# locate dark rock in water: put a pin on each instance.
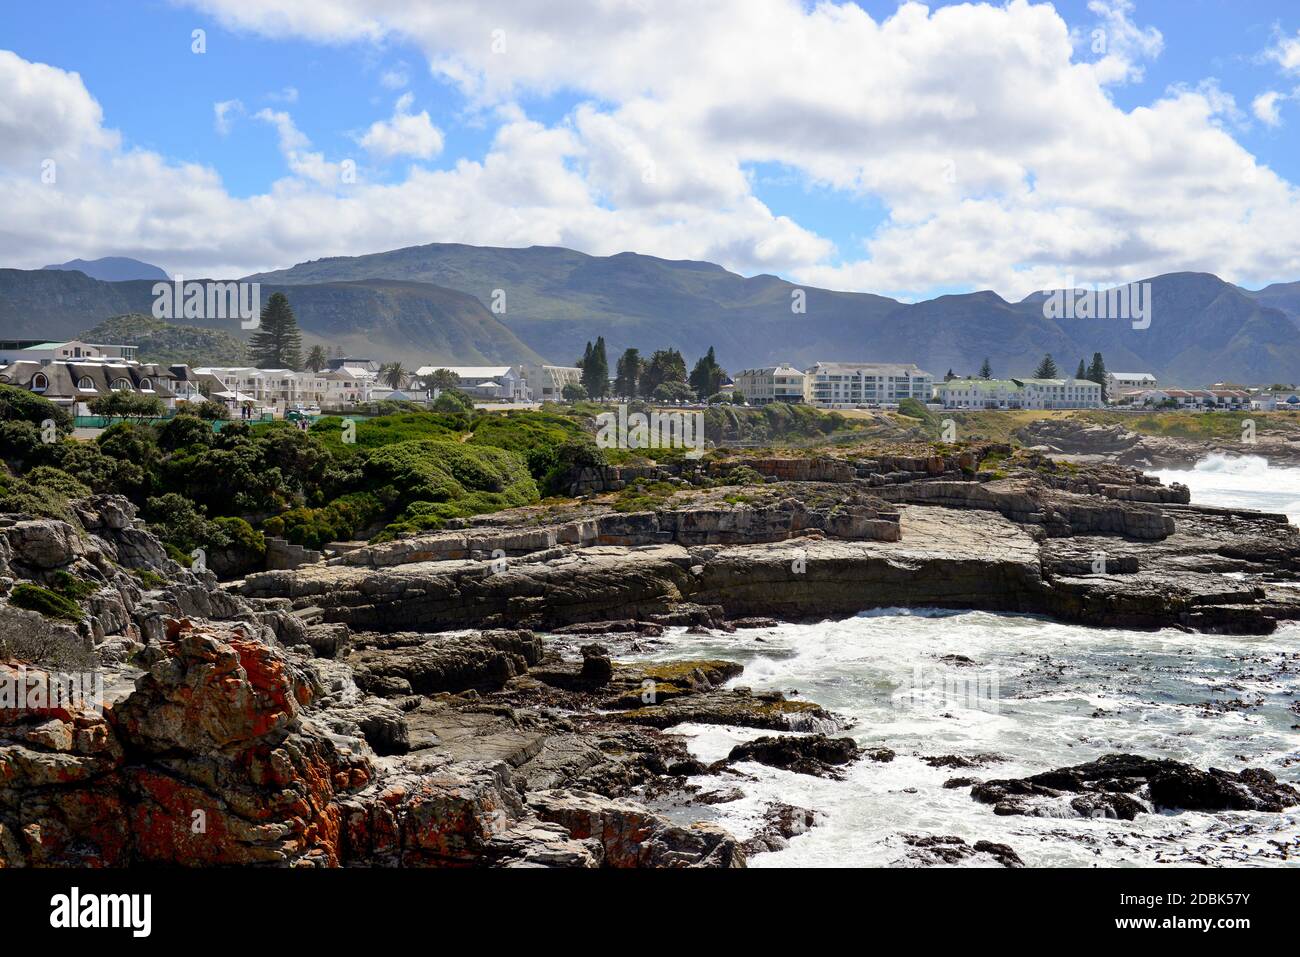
(754, 621)
(780, 823)
(950, 849)
(814, 754)
(1125, 785)
(882, 755)
(596, 664)
(957, 761)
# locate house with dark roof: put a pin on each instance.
(74, 384)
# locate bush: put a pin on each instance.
(180, 523)
(432, 480)
(536, 436)
(46, 500)
(340, 520)
(19, 405)
(183, 431)
(674, 392)
(453, 400)
(48, 603)
(573, 392)
(572, 455)
(127, 405)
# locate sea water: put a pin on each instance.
(1028, 695)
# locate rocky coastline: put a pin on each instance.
(457, 698)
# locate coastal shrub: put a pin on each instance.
(57, 481)
(340, 520)
(49, 603)
(570, 456)
(431, 480)
(178, 522)
(71, 587)
(453, 400)
(20, 405)
(46, 500)
(535, 436)
(183, 431)
(388, 429)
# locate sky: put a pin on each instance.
(904, 149)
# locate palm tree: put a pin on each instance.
(393, 374)
(316, 359)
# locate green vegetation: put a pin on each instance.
(127, 405)
(49, 603)
(277, 344)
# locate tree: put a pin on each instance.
(595, 369)
(442, 380)
(986, 370)
(1082, 373)
(1047, 369)
(706, 378)
(1097, 373)
(124, 404)
(673, 392)
(666, 365)
(393, 374)
(316, 359)
(573, 392)
(453, 400)
(277, 344)
(950, 376)
(627, 376)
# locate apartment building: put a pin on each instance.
(1020, 394)
(847, 385)
(1118, 383)
(283, 389)
(1232, 399)
(783, 383)
(546, 383)
(38, 350)
(499, 383)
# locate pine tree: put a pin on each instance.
(706, 377)
(1047, 369)
(1082, 373)
(595, 369)
(1097, 373)
(628, 374)
(950, 376)
(277, 344)
(986, 370)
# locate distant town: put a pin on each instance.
(84, 377)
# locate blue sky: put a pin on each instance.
(135, 60)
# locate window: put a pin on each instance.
(121, 385)
(39, 382)
(86, 384)
(146, 385)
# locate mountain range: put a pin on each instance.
(460, 304)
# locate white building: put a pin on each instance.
(283, 389)
(846, 385)
(36, 350)
(783, 383)
(1020, 394)
(1120, 382)
(501, 383)
(546, 383)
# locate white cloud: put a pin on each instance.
(1265, 108)
(224, 113)
(1286, 53)
(987, 133)
(404, 134)
(395, 79)
(288, 94)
